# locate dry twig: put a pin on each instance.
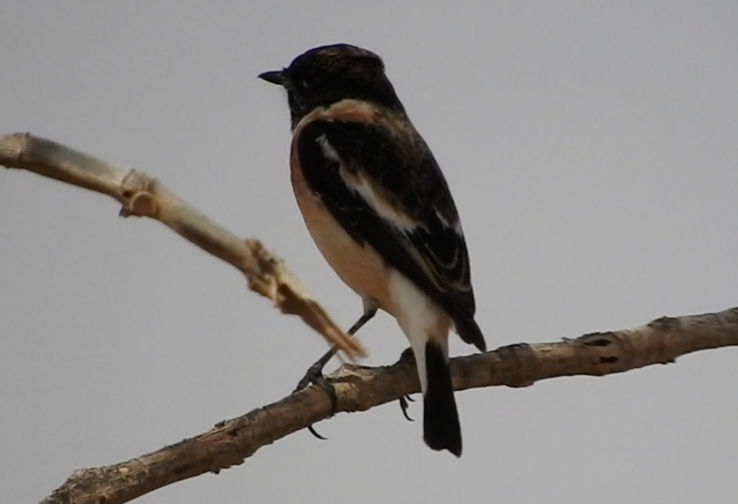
(143, 196)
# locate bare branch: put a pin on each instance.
(359, 388)
(143, 196)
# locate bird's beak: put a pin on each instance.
(275, 77)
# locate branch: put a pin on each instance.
(359, 388)
(143, 196)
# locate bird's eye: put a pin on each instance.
(308, 80)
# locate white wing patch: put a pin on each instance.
(328, 151)
(362, 187)
(457, 227)
(381, 206)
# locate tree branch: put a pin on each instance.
(360, 388)
(143, 196)
(357, 388)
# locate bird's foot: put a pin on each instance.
(406, 357)
(314, 373)
(315, 376)
(404, 405)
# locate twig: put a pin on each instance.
(143, 196)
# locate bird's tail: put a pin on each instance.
(441, 429)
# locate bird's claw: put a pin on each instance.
(406, 357)
(404, 406)
(314, 376)
(315, 433)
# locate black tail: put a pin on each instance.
(470, 333)
(441, 429)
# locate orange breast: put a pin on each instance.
(360, 267)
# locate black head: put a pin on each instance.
(326, 75)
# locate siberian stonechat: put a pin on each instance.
(380, 211)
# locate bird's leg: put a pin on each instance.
(314, 373)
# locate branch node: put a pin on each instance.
(663, 323)
(138, 195)
(597, 339)
(513, 372)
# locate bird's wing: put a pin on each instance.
(389, 192)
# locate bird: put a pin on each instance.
(379, 209)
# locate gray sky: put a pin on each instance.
(591, 148)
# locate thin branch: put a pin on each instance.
(143, 196)
(359, 388)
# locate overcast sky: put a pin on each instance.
(592, 149)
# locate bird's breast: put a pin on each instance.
(359, 266)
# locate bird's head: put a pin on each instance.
(326, 75)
